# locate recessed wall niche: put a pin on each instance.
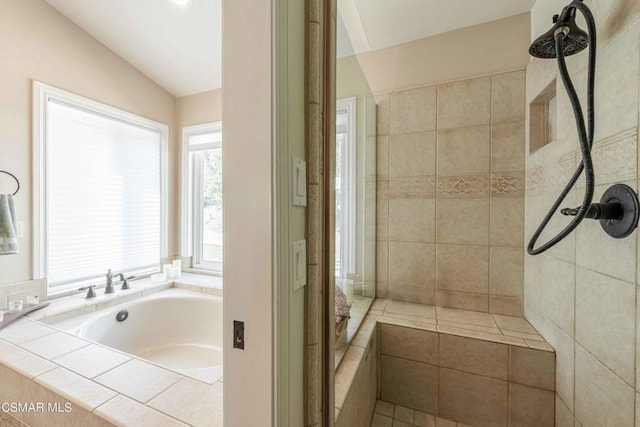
(543, 122)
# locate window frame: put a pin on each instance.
(191, 231)
(41, 94)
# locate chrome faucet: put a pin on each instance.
(108, 289)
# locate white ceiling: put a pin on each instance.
(377, 24)
(178, 48)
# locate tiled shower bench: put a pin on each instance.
(473, 368)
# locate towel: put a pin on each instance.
(8, 226)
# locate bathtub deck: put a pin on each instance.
(472, 324)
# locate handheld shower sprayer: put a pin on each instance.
(618, 210)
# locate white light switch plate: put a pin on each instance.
(299, 182)
(299, 264)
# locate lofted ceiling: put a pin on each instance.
(377, 24)
(180, 47)
(177, 47)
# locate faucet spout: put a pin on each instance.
(108, 289)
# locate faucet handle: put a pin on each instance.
(90, 292)
(125, 283)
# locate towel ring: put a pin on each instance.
(14, 177)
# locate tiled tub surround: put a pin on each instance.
(582, 295)
(469, 367)
(450, 194)
(40, 363)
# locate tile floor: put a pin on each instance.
(389, 415)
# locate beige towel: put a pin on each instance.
(8, 226)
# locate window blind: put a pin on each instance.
(103, 195)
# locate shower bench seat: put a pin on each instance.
(474, 368)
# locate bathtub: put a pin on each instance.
(175, 328)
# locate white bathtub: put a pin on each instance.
(176, 328)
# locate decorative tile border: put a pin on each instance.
(614, 158)
(463, 186)
(410, 187)
(507, 185)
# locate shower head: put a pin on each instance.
(575, 39)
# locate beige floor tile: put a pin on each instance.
(123, 411)
(138, 380)
(474, 356)
(404, 414)
(441, 422)
(192, 401)
(92, 360)
(384, 408)
(76, 388)
(381, 421)
(472, 399)
(54, 345)
(424, 420)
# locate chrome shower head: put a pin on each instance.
(575, 39)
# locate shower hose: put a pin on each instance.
(585, 137)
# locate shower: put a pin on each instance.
(618, 210)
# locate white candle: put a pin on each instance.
(177, 269)
(167, 270)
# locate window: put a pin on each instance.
(202, 195)
(345, 239)
(100, 190)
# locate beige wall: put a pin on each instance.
(450, 194)
(199, 108)
(41, 44)
(473, 51)
(248, 203)
(581, 294)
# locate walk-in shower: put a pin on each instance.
(618, 210)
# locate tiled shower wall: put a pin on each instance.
(450, 194)
(581, 294)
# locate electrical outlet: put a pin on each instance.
(238, 334)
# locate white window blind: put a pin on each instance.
(103, 195)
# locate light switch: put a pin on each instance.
(299, 182)
(299, 264)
